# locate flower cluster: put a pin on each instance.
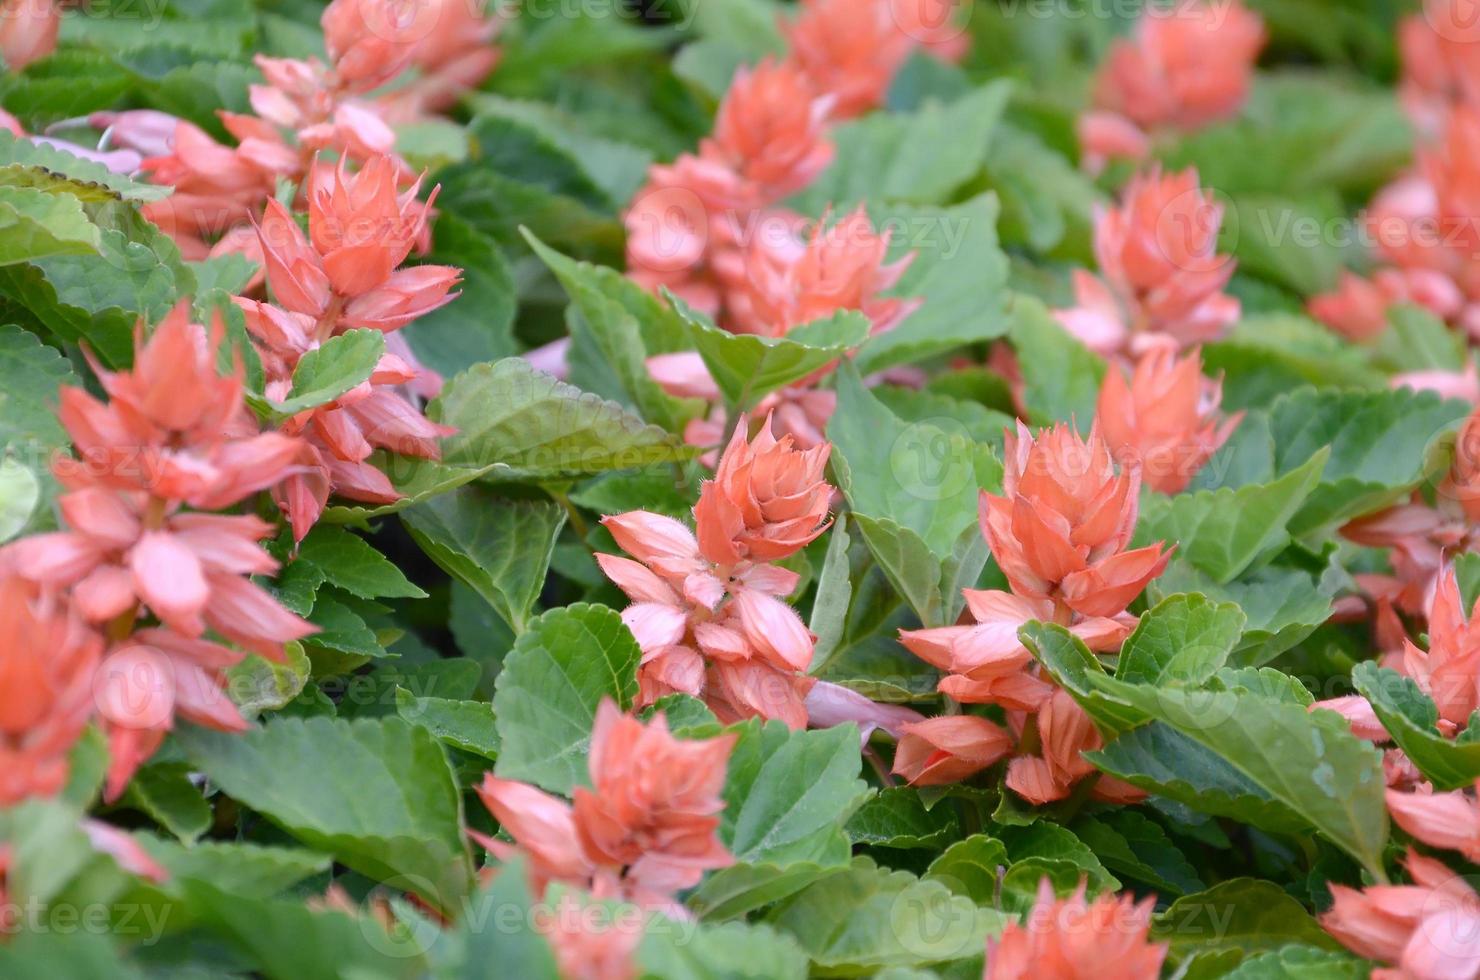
(173, 442)
(1075, 939)
(1161, 276)
(1187, 64)
(706, 606)
(345, 274)
(1059, 533)
(644, 830)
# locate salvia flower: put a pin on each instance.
(770, 129)
(706, 608)
(1447, 820)
(1441, 68)
(47, 658)
(1165, 418)
(369, 42)
(1427, 930)
(1449, 671)
(1075, 939)
(948, 748)
(1186, 65)
(644, 831)
(851, 49)
(1064, 732)
(588, 943)
(1163, 278)
(1358, 308)
(28, 31)
(1059, 529)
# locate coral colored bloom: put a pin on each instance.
(1185, 66)
(372, 41)
(589, 945)
(770, 129)
(851, 49)
(1429, 930)
(28, 31)
(1065, 732)
(1441, 68)
(767, 500)
(1060, 527)
(1447, 820)
(841, 268)
(1163, 276)
(1073, 939)
(47, 657)
(1357, 309)
(1106, 136)
(1165, 418)
(948, 749)
(1449, 671)
(646, 828)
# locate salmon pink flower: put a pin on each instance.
(28, 31)
(1449, 671)
(372, 41)
(770, 129)
(1357, 309)
(767, 500)
(1440, 66)
(454, 56)
(934, 25)
(1065, 732)
(1165, 418)
(948, 749)
(1061, 525)
(851, 50)
(841, 268)
(1427, 930)
(47, 658)
(1163, 277)
(1447, 820)
(646, 828)
(589, 945)
(1186, 65)
(1106, 136)
(1073, 939)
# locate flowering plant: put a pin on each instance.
(739, 488)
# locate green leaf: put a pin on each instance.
(24, 163)
(1244, 914)
(787, 798)
(971, 868)
(1224, 531)
(1184, 639)
(1061, 377)
(1311, 762)
(284, 938)
(1411, 718)
(257, 684)
(479, 324)
(35, 224)
(919, 157)
(1161, 760)
(869, 918)
(1071, 664)
(31, 373)
(897, 818)
(958, 273)
(498, 927)
(350, 562)
(628, 324)
(1283, 605)
(497, 546)
(164, 791)
(465, 725)
(20, 491)
(732, 951)
(1416, 340)
(747, 367)
(50, 954)
(417, 480)
(537, 428)
(1300, 963)
(377, 794)
(829, 616)
(249, 870)
(1269, 354)
(1381, 443)
(331, 369)
(1134, 847)
(560, 669)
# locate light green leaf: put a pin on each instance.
(971, 867)
(1222, 532)
(1184, 639)
(249, 870)
(24, 163)
(350, 562)
(498, 927)
(1243, 914)
(1382, 444)
(465, 725)
(747, 367)
(895, 817)
(20, 491)
(507, 413)
(731, 951)
(1411, 718)
(834, 592)
(1061, 377)
(35, 224)
(163, 790)
(919, 157)
(377, 794)
(958, 273)
(497, 546)
(1071, 664)
(1310, 762)
(869, 918)
(1283, 605)
(560, 669)
(1300, 963)
(331, 369)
